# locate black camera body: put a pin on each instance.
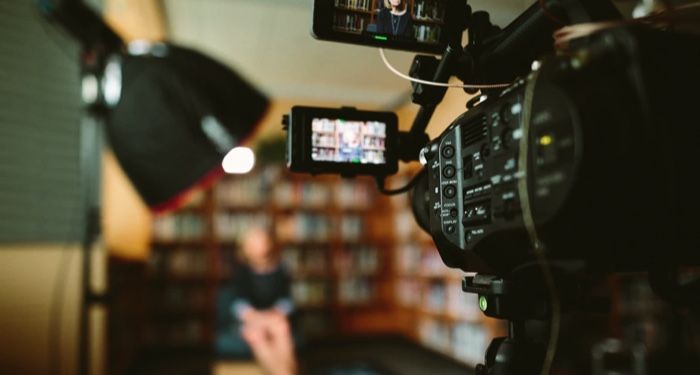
(584, 166)
(343, 141)
(598, 144)
(610, 146)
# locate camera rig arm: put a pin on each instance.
(492, 54)
(501, 55)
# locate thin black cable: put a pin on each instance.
(56, 308)
(529, 221)
(401, 190)
(59, 286)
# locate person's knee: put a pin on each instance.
(232, 345)
(280, 319)
(281, 326)
(252, 335)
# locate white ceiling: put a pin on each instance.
(269, 42)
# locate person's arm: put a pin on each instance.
(285, 306)
(241, 308)
(284, 303)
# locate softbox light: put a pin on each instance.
(178, 114)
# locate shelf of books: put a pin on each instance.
(443, 317)
(180, 282)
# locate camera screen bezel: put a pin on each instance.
(301, 142)
(322, 29)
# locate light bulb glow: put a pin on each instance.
(112, 81)
(239, 160)
(90, 89)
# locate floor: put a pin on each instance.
(386, 355)
(378, 355)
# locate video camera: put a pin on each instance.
(599, 149)
(585, 158)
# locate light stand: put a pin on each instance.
(171, 115)
(91, 141)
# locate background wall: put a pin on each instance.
(41, 220)
(39, 132)
(39, 333)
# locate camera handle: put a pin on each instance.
(456, 61)
(492, 54)
(429, 68)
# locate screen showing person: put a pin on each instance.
(419, 20)
(344, 141)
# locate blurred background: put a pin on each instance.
(368, 285)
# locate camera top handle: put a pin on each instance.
(491, 55)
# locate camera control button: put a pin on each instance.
(450, 228)
(506, 137)
(448, 152)
(485, 151)
(449, 191)
(506, 114)
(449, 171)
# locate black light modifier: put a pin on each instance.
(179, 114)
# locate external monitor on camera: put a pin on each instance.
(419, 26)
(345, 141)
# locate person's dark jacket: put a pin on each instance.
(247, 288)
(403, 26)
(262, 291)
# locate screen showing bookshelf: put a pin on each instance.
(419, 20)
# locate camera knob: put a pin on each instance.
(427, 153)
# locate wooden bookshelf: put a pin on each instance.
(181, 279)
(354, 10)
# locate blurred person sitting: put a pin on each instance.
(255, 309)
